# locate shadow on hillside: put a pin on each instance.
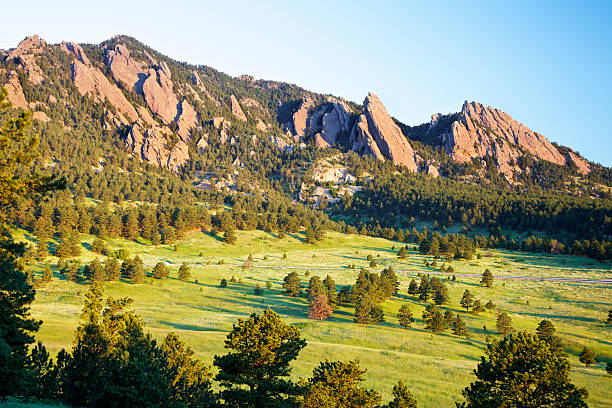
(192, 327)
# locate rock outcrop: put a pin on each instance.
(324, 122)
(124, 68)
(89, 80)
(25, 53)
(159, 95)
(76, 50)
(376, 134)
(485, 131)
(236, 109)
(15, 91)
(154, 145)
(187, 120)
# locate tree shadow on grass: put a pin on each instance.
(191, 327)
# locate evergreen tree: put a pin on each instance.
(184, 273)
(223, 283)
(258, 291)
(413, 288)
(310, 235)
(477, 307)
(363, 309)
(160, 270)
(94, 271)
(546, 332)
(330, 291)
(229, 236)
(404, 316)
(336, 385)
(487, 279)
(315, 288)
(320, 308)
(252, 374)
(292, 285)
(459, 328)
(112, 269)
(377, 315)
(587, 356)
(402, 253)
(490, 305)
(98, 246)
(609, 320)
(47, 274)
(504, 323)
(402, 398)
(434, 319)
(449, 318)
(467, 300)
(522, 371)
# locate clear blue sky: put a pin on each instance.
(546, 63)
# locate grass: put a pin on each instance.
(436, 367)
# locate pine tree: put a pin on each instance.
(292, 285)
(98, 246)
(310, 235)
(433, 319)
(94, 271)
(402, 398)
(449, 318)
(459, 328)
(467, 300)
(587, 356)
(229, 236)
(377, 315)
(609, 321)
(402, 253)
(363, 309)
(315, 288)
(504, 323)
(490, 305)
(330, 291)
(336, 385)
(413, 288)
(253, 373)
(521, 370)
(546, 331)
(47, 274)
(404, 316)
(112, 269)
(487, 279)
(258, 291)
(223, 283)
(160, 270)
(477, 307)
(320, 308)
(184, 273)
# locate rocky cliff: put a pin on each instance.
(376, 134)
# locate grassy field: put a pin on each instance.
(436, 367)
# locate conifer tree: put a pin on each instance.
(160, 270)
(363, 309)
(112, 269)
(477, 307)
(253, 373)
(320, 308)
(404, 316)
(413, 288)
(292, 285)
(330, 291)
(459, 328)
(467, 300)
(402, 398)
(487, 279)
(522, 371)
(587, 356)
(184, 273)
(47, 274)
(504, 323)
(336, 385)
(402, 253)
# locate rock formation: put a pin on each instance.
(154, 145)
(24, 54)
(323, 122)
(485, 131)
(158, 93)
(376, 134)
(124, 68)
(236, 109)
(15, 91)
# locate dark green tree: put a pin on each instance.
(546, 331)
(413, 288)
(587, 356)
(522, 371)
(458, 326)
(487, 279)
(402, 397)
(47, 274)
(504, 323)
(467, 300)
(404, 316)
(184, 272)
(292, 285)
(336, 385)
(160, 270)
(253, 373)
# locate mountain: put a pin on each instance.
(163, 112)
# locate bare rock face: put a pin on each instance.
(41, 116)
(159, 95)
(236, 109)
(187, 120)
(89, 80)
(124, 68)
(76, 50)
(15, 91)
(301, 117)
(376, 134)
(324, 122)
(146, 116)
(485, 131)
(25, 56)
(332, 123)
(581, 164)
(153, 145)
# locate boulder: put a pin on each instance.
(377, 135)
(40, 116)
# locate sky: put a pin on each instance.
(546, 63)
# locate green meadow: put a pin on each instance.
(436, 367)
